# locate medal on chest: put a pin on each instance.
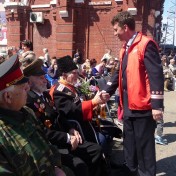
(76, 99)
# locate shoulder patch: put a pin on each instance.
(60, 87)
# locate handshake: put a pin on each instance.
(100, 98)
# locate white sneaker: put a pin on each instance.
(160, 140)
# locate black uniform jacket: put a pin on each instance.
(55, 126)
(68, 104)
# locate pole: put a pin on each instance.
(165, 37)
(174, 33)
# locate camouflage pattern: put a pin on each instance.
(23, 148)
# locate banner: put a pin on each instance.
(3, 29)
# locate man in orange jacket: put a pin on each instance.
(141, 83)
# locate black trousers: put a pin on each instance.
(139, 145)
(91, 154)
(76, 164)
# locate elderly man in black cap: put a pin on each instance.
(69, 105)
(23, 149)
(82, 155)
(65, 95)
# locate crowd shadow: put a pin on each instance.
(167, 166)
(170, 124)
(170, 138)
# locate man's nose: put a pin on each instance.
(44, 80)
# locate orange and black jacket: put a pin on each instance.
(68, 103)
(145, 82)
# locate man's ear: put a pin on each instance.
(125, 27)
(29, 82)
(7, 97)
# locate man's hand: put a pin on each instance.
(55, 67)
(105, 96)
(74, 142)
(75, 133)
(100, 98)
(59, 172)
(157, 114)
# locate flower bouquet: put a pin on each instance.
(87, 90)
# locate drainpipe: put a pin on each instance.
(88, 33)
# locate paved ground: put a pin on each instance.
(165, 155)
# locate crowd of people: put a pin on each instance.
(41, 96)
(52, 105)
(169, 71)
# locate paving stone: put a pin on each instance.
(165, 154)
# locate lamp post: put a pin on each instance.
(165, 29)
(174, 33)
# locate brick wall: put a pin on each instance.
(88, 27)
(94, 31)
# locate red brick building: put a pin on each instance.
(71, 24)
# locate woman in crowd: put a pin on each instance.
(28, 53)
(98, 70)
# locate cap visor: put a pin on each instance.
(38, 73)
(22, 81)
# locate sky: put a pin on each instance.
(168, 5)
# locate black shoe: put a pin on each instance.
(128, 172)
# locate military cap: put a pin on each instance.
(11, 73)
(34, 68)
(65, 65)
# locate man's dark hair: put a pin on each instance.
(28, 44)
(93, 61)
(124, 18)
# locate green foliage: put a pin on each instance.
(84, 88)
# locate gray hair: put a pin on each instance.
(45, 50)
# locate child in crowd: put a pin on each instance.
(159, 133)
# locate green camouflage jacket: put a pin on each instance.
(23, 148)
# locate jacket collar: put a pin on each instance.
(13, 117)
(136, 40)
